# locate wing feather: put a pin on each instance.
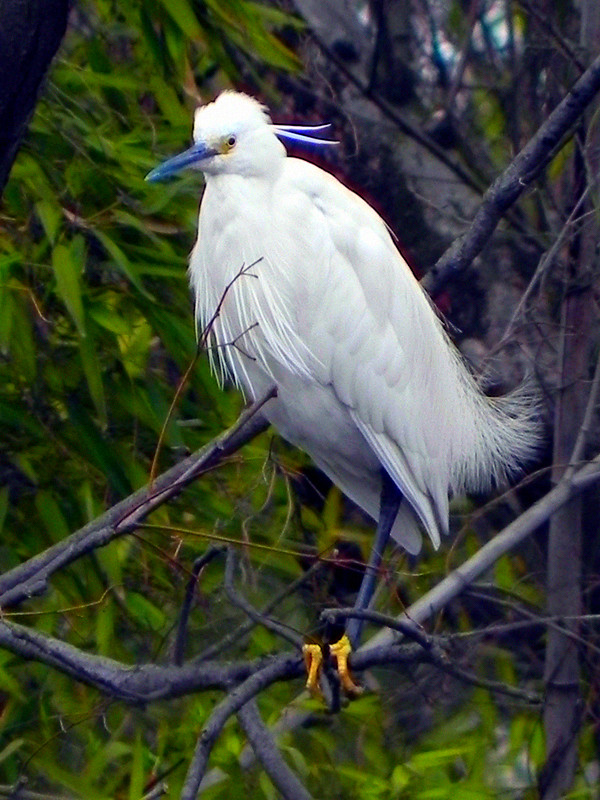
(375, 343)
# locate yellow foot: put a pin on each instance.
(340, 650)
(313, 658)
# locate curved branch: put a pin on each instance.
(31, 578)
(256, 616)
(434, 647)
(199, 564)
(144, 683)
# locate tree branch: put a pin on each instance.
(31, 577)
(236, 634)
(265, 749)
(510, 537)
(231, 704)
(259, 619)
(509, 186)
(199, 564)
(435, 647)
(138, 683)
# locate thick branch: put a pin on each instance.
(454, 583)
(139, 683)
(31, 577)
(265, 749)
(508, 187)
(144, 683)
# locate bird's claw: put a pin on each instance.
(313, 658)
(340, 650)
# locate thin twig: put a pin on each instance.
(402, 124)
(236, 634)
(18, 792)
(436, 653)
(586, 424)
(465, 50)
(31, 578)
(199, 564)
(544, 20)
(259, 619)
(454, 583)
(544, 264)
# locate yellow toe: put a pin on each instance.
(313, 658)
(340, 650)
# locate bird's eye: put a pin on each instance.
(230, 142)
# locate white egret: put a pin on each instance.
(321, 304)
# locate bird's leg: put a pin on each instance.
(390, 500)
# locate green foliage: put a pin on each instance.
(96, 330)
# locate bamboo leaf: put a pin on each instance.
(68, 282)
(93, 373)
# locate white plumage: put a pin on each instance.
(331, 313)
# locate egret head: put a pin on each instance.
(231, 135)
(234, 135)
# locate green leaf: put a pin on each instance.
(22, 347)
(121, 260)
(68, 281)
(51, 515)
(10, 749)
(6, 317)
(145, 612)
(182, 14)
(51, 217)
(93, 373)
(97, 449)
(135, 348)
(105, 628)
(108, 317)
(136, 783)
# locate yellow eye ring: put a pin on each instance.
(228, 144)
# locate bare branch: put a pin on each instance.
(230, 705)
(259, 619)
(199, 564)
(265, 749)
(436, 652)
(510, 537)
(141, 683)
(509, 186)
(236, 634)
(18, 792)
(31, 577)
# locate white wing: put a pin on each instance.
(377, 343)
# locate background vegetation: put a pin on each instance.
(431, 102)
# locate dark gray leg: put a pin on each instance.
(391, 497)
